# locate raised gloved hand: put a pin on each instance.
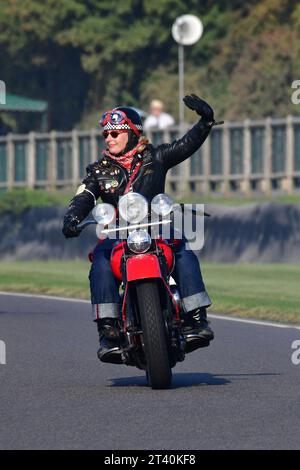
(200, 106)
(70, 229)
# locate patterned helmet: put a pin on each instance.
(122, 118)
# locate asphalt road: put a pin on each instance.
(243, 392)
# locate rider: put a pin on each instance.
(135, 165)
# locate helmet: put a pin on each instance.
(122, 117)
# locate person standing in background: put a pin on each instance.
(157, 117)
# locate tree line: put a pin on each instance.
(83, 56)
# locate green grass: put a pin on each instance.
(265, 291)
(261, 291)
(62, 278)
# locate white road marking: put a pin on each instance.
(212, 315)
(254, 322)
(47, 297)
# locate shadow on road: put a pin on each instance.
(246, 376)
(185, 379)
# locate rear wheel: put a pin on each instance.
(154, 335)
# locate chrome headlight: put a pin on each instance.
(133, 207)
(104, 213)
(139, 241)
(162, 204)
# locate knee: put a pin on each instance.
(100, 267)
(187, 256)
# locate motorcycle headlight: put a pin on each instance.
(104, 213)
(162, 204)
(139, 241)
(133, 207)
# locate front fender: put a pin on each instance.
(143, 267)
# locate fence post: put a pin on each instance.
(10, 161)
(94, 146)
(266, 182)
(53, 160)
(31, 160)
(288, 182)
(226, 167)
(247, 158)
(206, 166)
(75, 157)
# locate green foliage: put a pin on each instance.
(259, 59)
(84, 56)
(19, 200)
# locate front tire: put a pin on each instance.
(154, 335)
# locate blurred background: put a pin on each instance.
(64, 62)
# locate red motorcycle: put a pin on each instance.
(151, 317)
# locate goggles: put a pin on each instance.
(117, 120)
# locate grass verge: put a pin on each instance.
(266, 291)
(18, 200)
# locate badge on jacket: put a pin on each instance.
(80, 189)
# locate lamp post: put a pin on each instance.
(186, 30)
(181, 84)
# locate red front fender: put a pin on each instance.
(143, 267)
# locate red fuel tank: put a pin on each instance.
(118, 251)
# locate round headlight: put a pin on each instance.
(104, 213)
(139, 241)
(162, 204)
(133, 207)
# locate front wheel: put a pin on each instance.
(154, 335)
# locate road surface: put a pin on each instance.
(243, 392)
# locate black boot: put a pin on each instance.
(201, 325)
(196, 330)
(109, 337)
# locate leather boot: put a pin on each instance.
(196, 330)
(201, 325)
(109, 337)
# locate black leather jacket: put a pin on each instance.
(107, 179)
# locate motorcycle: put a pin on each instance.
(151, 317)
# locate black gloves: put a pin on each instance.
(200, 106)
(70, 229)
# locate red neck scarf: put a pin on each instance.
(124, 160)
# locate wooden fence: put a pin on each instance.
(239, 157)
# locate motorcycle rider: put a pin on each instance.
(132, 164)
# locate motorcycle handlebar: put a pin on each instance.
(195, 211)
(86, 223)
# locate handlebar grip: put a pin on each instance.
(205, 214)
(85, 223)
